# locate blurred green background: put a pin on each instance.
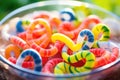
(7, 6)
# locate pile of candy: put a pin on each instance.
(61, 44)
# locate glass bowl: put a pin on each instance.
(100, 73)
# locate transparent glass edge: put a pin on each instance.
(47, 3)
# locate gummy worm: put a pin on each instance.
(55, 22)
(74, 57)
(67, 14)
(104, 56)
(45, 52)
(90, 39)
(112, 53)
(19, 42)
(19, 27)
(63, 67)
(36, 57)
(84, 25)
(101, 29)
(36, 34)
(25, 64)
(68, 42)
(49, 66)
(45, 24)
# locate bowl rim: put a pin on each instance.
(35, 73)
(45, 3)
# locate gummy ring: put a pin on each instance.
(12, 51)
